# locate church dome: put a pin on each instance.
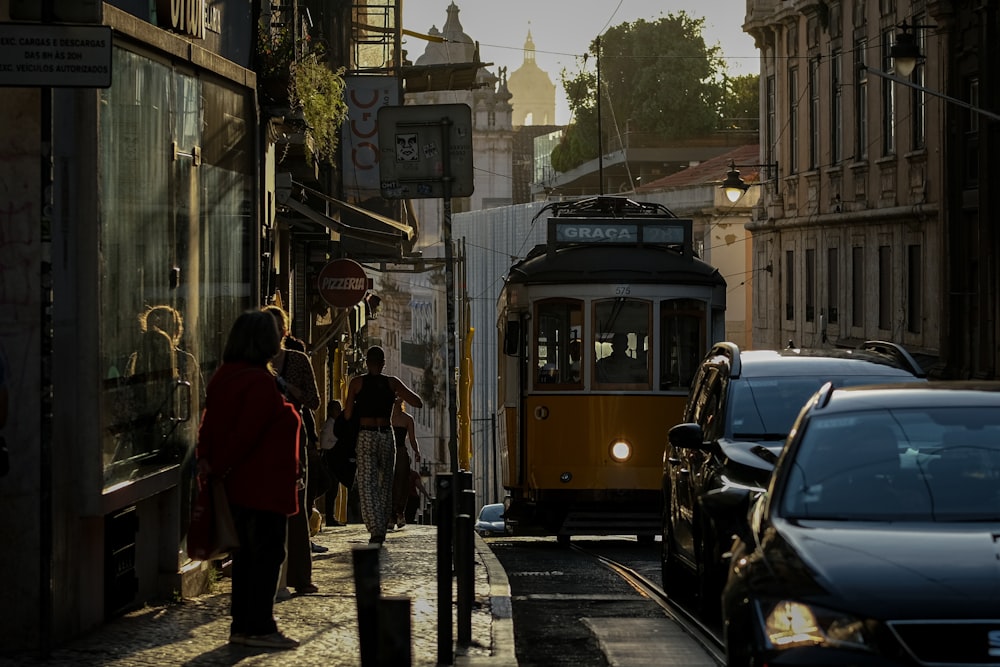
(458, 47)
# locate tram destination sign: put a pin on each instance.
(34, 55)
(661, 231)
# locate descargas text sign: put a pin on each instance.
(34, 55)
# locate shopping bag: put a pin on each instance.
(212, 531)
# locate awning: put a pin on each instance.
(393, 233)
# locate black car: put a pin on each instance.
(740, 409)
(878, 539)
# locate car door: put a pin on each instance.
(687, 464)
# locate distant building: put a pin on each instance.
(534, 93)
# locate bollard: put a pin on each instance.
(367, 589)
(443, 514)
(465, 564)
(394, 632)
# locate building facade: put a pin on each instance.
(123, 264)
(872, 222)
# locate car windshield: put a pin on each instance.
(766, 408)
(913, 464)
(491, 513)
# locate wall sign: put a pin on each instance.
(342, 283)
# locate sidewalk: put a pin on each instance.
(195, 632)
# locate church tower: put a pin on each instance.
(534, 93)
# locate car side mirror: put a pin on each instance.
(687, 436)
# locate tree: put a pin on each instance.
(658, 76)
(742, 104)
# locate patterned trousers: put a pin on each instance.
(376, 460)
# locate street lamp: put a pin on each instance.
(734, 186)
(904, 53)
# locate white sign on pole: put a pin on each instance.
(36, 55)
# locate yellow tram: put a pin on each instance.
(601, 330)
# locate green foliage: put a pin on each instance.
(741, 108)
(658, 76)
(319, 92)
(275, 51)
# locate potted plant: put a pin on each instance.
(318, 92)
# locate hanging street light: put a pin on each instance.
(735, 187)
(905, 53)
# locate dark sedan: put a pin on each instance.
(740, 409)
(878, 539)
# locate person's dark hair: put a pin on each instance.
(254, 338)
(375, 353)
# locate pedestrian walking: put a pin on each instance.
(249, 436)
(403, 430)
(295, 378)
(415, 488)
(370, 397)
(327, 440)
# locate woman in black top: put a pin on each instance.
(370, 398)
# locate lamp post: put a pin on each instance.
(735, 187)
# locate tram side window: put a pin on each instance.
(682, 326)
(621, 342)
(559, 325)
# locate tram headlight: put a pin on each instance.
(621, 451)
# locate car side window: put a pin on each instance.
(706, 399)
(711, 415)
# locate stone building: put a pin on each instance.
(850, 235)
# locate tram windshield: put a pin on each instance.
(621, 342)
(557, 342)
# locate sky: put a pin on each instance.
(563, 29)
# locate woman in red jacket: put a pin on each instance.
(249, 436)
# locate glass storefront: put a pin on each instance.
(177, 185)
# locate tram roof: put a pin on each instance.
(608, 238)
(614, 263)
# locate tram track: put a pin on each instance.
(701, 633)
(596, 602)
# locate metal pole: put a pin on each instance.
(465, 556)
(600, 139)
(367, 589)
(924, 89)
(449, 281)
(445, 517)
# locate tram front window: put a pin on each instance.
(682, 326)
(621, 342)
(559, 323)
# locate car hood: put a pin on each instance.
(887, 570)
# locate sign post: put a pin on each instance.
(426, 152)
